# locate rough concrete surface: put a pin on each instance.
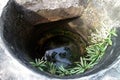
(11, 69)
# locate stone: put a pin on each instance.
(53, 10)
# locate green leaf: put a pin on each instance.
(81, 60)
(113, 32)
(40, 68)
(110, 42)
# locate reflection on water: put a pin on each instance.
(59, 56)
(59, 45)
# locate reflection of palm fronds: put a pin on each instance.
(94, 54)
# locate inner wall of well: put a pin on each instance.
(54, 35)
